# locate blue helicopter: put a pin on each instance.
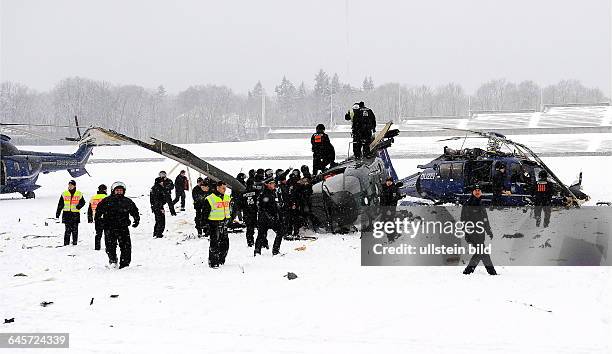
(19, 169)
(448, 178)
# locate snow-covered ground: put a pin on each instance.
(170, 301)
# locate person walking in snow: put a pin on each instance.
(114, 212)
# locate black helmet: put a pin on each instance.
(361, 104)
(269, 172)
(102, 188)
(320, 128)
(260, 171)
(241, 176)
(279, 171)
(251, 173)
(295, 173)
(158, 180)
(543, 174)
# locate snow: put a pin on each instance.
(170, 301)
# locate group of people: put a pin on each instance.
(111, 214)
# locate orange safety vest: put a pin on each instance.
(95, 200)
(71, 201)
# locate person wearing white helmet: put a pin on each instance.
(114, 212)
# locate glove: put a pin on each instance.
(135, 224)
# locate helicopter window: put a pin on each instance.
(445, 170)
(457, 170)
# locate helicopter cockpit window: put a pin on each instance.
(457, 172)
(445, 170)
(340, 183)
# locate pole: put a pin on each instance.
(331, 105)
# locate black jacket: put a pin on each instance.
(498, 182)
(390, 195)
(158, 197)
(168, 185)
(268, 208)
(321, 145)
(543, 193)
(475, 212)
(363, 122)
(199, 197)
(114, 212)
(181, 183)
(248, 201)
(69, 217)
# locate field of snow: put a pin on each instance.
(170, 301)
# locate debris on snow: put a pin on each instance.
(291, 275)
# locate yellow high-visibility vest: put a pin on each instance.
(71, 201)
(95, 200)
(219, 208)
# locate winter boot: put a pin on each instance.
(468, 270)
(491, 270)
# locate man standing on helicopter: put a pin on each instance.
(363, 127)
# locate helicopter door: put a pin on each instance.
(478, 171)
(451, 176)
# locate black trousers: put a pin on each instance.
(160, 223)
(120, 236)
(361, 147)
(262, 237)
(72, 229)
(250, 221)
(295, 221)
(478, 257)
(99, 231)
(219, 243)
(198, 220)
(180, 194)
(538, 214)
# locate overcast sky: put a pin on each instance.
(180, 43)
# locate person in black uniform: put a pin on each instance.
(91, 212)
(323, 152)
(181, 184)
(248, 204)
(268, 217)
(542, 199)
(114, 212)
(216, 210)
(390, 193)
(363, 127)
(389, 196)
(199, 194)
(474, 212)
(167, 183)
(498, 183)
(69, 205)
(159, 197)
(294, 203)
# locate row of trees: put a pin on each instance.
(215, 113)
